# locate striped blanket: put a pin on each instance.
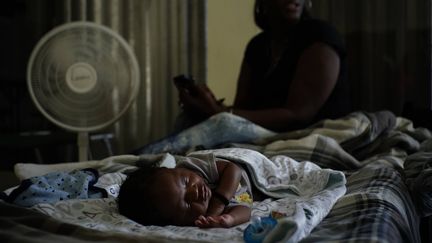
(385, 159)
(387, 165)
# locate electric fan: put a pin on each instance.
(82, 76)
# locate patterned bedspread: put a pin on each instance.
(386, 162)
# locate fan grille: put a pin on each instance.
(82, 76)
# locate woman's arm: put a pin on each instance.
(314, 80)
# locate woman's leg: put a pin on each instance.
(219, 129)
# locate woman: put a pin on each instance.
(293, 73)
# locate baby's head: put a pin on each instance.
(163, 196)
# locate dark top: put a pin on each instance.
(270, 87)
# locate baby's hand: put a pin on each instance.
(220, 221)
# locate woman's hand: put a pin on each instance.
(200, 101)
(221, 221)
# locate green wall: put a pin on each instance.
(230, 26)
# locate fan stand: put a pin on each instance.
(83, 143)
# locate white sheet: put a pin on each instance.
(306, 194)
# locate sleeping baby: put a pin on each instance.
(201, 191)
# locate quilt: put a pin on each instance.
(385, 160)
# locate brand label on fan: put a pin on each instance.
(81, 77)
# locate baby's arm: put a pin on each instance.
(233, 216)
(229, 179)
(218, 215)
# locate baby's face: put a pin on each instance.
(182, 196)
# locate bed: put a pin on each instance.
(381, 193)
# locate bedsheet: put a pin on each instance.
(302, 193)
(385, 159)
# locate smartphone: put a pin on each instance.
(185, 82)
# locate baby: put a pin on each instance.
(201, 191)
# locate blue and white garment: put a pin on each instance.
(57, 186)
